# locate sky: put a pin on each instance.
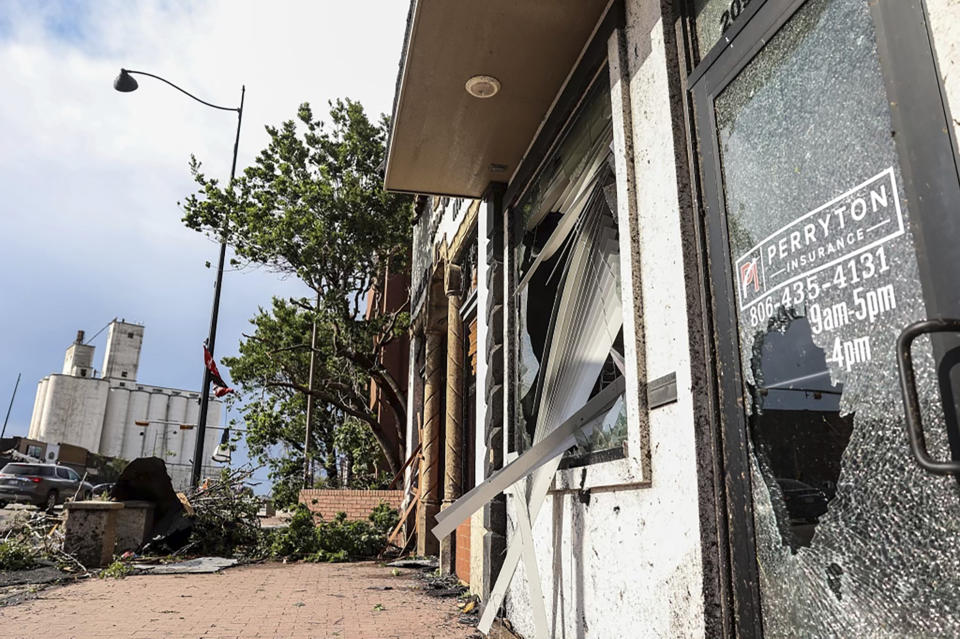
(91, 178)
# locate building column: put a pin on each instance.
(430, 461)
(453, 445)
(494, 514)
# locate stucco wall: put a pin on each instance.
(625, 562)
(945, 27)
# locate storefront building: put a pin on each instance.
(684, 359)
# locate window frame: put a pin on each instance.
(604, 54)
(906, 53)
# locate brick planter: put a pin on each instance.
(358, 504)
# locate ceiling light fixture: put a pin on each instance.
(483, 86)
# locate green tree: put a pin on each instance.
(313, 206)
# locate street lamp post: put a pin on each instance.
(125, 83)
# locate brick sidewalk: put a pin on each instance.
(294, 601)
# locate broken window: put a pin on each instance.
(853, 538)
(570, 325)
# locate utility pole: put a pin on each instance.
(15, 387)
(307, 459)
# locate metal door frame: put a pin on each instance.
(931, 182)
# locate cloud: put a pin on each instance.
(89, 223)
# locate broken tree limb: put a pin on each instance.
(413, 456)
(403, 518)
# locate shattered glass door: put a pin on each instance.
(853, 538)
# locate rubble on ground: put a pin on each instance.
(218, 522)
(31, 555)
(415, 562)
(199, 565)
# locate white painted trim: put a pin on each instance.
(551, 446)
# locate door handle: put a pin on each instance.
(911, 400)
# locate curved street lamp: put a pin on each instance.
(125, 83)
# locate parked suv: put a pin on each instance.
(41, 484)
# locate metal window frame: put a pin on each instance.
(931, 172)
(555, 128)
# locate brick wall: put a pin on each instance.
(356, 503)
(462, 563)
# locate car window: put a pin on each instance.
(73, 474)
(62, 473)
(27, 469)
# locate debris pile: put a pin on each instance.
(146, 479)
(34, 540)
(437, 585)
(224, 517)
(441, 586)
(219, 518)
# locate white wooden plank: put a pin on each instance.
(541, 484)
(550, 446)
(530, 564)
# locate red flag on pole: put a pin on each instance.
(220, 387)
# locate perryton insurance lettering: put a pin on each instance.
(864, 217)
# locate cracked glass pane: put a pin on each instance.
(714, 19)
(570, 322)
(853, 538)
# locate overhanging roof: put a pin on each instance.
(444, 140)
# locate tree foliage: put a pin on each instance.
(312, 206)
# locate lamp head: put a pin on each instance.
(125, 82)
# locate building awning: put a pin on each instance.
(444, 140)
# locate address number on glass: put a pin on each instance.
(732, 13)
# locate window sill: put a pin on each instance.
(619, 473)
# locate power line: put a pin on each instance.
(101, 330)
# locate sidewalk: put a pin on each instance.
(294, 601)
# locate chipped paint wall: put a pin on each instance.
(625, 560)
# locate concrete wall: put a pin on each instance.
(111, 437)
(153, 434)
(188, 438)
(213, 435)
(73, 409)
(176, 415)
(133, 435)
(122, 356)
(78, 360)
(39, 401)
